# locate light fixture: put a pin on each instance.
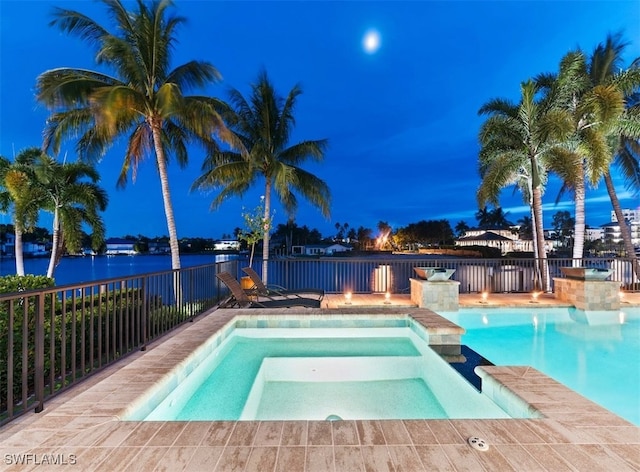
(387, 298)
(621, 295)
(534, 297)
(347, 298)
(485, 296)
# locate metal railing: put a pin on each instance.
(392, 274)
(52, 338)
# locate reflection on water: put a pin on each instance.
(594, 353)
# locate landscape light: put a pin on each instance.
(534, 297)
(347, 298)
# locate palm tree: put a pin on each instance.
(596, 109)
(263, 124)
(143, 98)
(526, 227)
(461, 228)
(606, 67)
(73, 200)
(23, 194)
(517, 140)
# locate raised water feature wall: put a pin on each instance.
(588, 294)
(437, 296)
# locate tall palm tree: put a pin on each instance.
(263, 124)
(23, 194)
(142, 99)
(517, 140)
(606, 67)
(73, 196)
(596, 110)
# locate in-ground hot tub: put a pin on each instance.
(434, 274)
(586, 273)
(305, 368)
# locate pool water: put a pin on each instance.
(597, 354)
(278, 373)
(222, 395)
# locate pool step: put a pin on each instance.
(464, 360)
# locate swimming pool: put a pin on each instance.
(268, 369)
(594, 353)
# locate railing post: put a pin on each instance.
(39, 352)
(144, 313)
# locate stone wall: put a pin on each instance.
(441, 295)
(588, 294)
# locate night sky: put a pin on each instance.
(401, 116)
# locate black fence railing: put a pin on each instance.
(392, 274)
(52, 338)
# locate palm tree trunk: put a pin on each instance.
(166, 196)
(541, 252)
(539, 284)
(624, 229)
(265, 239)
(578, 233)
(18, 250)
(54, 244)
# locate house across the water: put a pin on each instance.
(120, 247)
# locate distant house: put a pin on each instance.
(159, 247)
(226, 245)
(120, 247)
(504, 240)
(8, 247)
(613, 234)
(318, 249)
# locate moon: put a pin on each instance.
(371, 41)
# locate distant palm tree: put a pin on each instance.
(461, 228)
(21, 193)
(263, 124)
(144, 98)
(492, 219)
(72, 195)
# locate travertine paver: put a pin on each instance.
(83, 424)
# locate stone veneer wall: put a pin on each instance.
(588, 294)
(441, 295)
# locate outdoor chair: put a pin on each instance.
(276, 290)
(241, 299)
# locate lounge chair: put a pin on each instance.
(240, 298)
(276, 290)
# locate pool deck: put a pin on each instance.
(81, 427)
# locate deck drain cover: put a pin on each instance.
(478, 443)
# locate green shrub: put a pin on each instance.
(21, 283)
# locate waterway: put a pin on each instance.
(72, 270)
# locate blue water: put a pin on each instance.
(223, 394)
(73, 270)
(595, 354)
